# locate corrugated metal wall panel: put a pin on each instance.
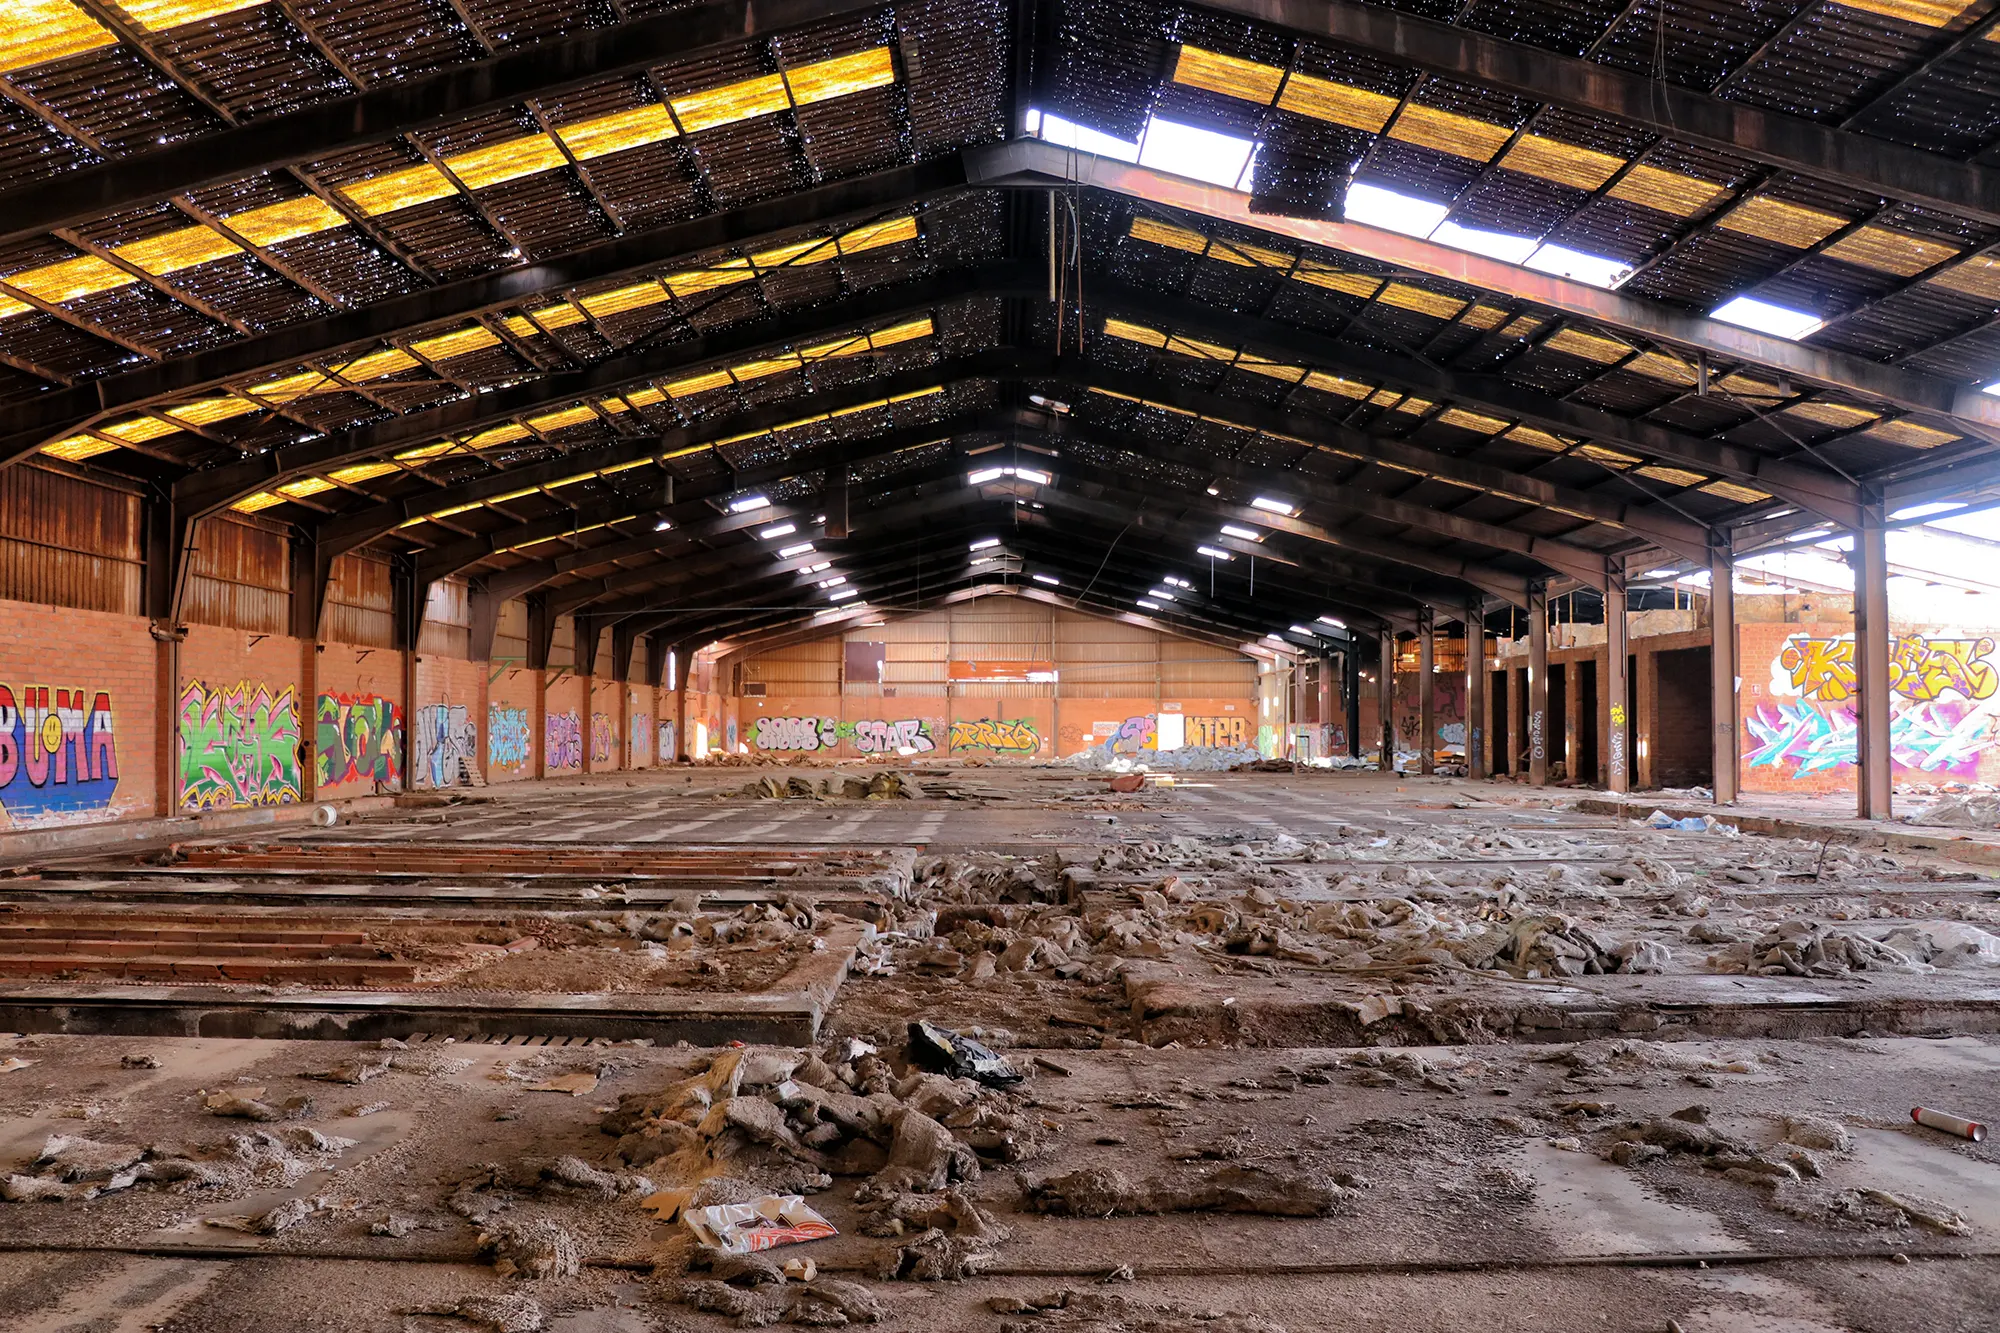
(510, 636)
(239, 577)
(65, 541)
(562, 646)
(801, 668)
(360, 603)
(447, 626)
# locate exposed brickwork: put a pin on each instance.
(94, 652)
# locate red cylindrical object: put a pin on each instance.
(1949, 1123)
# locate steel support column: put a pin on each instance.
(1385, 700)
(1426, 693)
(1615, 688)
(1538, 685)
(1475, 691)
(1724, 679)
(1350, 691)
(1871, 653)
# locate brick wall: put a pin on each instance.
(359, 740)
(566, 728)
(106, 762)
(605, 729)
(513, 731)
(446, 735)
(241, 726)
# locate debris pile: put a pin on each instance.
(70, 1167)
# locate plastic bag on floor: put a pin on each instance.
(761, 1224)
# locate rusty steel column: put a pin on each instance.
(1426, 693)
(1538, 685)
(1385, 699)
(1724, 678)
(1615, 686)
(1475, 691)
(1871, 665)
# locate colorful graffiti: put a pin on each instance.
(729, 735)
(1002, 737)
(603, 738)
(796, 734)
(239, 745)
(667, 750)
(1135, 734)
(906, 735)
(510, 736)
(55, 760)
(1943, 708)
(563, 744)
(642, 736)
(1447, 710)
(357, 738)
(1226, 730)
(444, 748)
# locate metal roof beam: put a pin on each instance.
(1820, 490)
(1654, 523)
(1029, 162)
(1740, 129)
(406, 105)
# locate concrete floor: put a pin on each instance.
(1478, 1191)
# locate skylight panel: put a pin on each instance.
(1377, 207)
(1567, 263)
(1334, 621)
(801, 548)
(984, 475)
(1214, 553)
(1993, 388)
(778, 530)
(1764, 317)
(1150, 606)
(1271, 506)
(1203, 155)
(748, 503)
(1242, 533)
(983, 544)
(1926, 510)
(1494, 244)
(1049, 579)
(1069, 134)
(842, 594)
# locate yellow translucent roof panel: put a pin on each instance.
(569, 416)
(1791, 225)
(1138, 333)
(363, 472)
(1229, 75)
(71, 280)
(1483, 317)
(797, 254)
(1597, 453)
(398, 189)
(1838, 415)
(427, 451)
(456, 343)
(1536, 438)
(1472, 421)
(1672, 476)
(1730, 490)
(1272, 370)
(160, 15)
(250, 504)
(34, 32)
(274, 224)
(1656, 366)
(1195, 347)
(714, 379)
(1889, 251)
(506, 434)
(725, 274)
(1406, 297)
(1174, 238)
(896, 333)
(304, 486)
(208, 411)
(1337, 103)
(761, 369)
(1978, 276)
(1554, 160)
(1255, 256)
(877, 234)
(1911, 435)
(292, 387)
(1460, 136)
(177, 250)
(619, 300)
(76, 448)
(1923, 13)
(1667, 191)
(732, 102)
(1346, 388)
(138, 430)
(9, 307)
(618, 131)
(1588, 346)
(826, 79)
(507, 161)
(389, 361)
(1318, 274)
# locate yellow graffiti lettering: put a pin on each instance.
(1015, 737)
(1920, 669)
(1820, 668)
(1218, 731)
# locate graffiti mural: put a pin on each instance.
(1447, 710)
(444, 746)
(729, 735)
(563, 746)
(907, 735)
(1016, 737)
(1135, 734)
(668, 750)
(509, 736)
(1944, 706)
(239, 745)
(796, 734)
(1227, 730)
(642, 736)
(58, 755)
(357, 738)
(603, 738)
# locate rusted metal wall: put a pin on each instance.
(239, 576)
(69, 542)
(447, 627)
(510, 635)
(360, 603)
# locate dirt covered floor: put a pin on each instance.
(1271, 1052)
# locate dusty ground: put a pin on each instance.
(1495, 1182)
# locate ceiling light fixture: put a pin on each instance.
(1271, 506)
(984, 543)
(1242, 533)
(1049, 579)
(1334, 621)
(1150, 606)
(777, 530)
(842, 594)
(1213, 553)
(748, 503)
(802, 548)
